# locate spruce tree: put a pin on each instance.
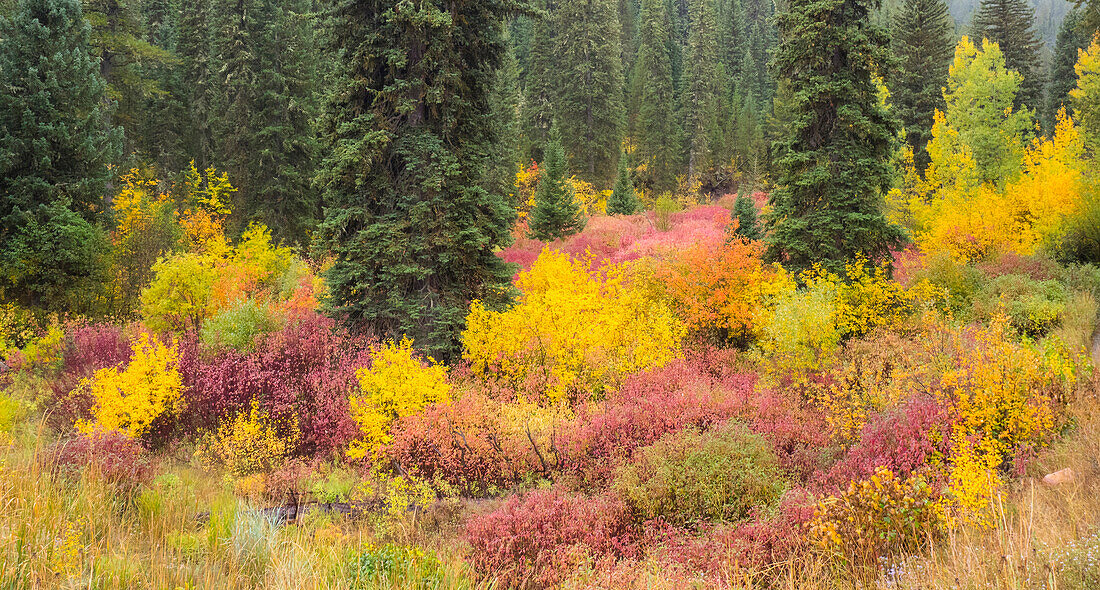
(556, 214)
(760, 42)
(55, 147)
(623, 201)
(262, 123)
(125, 60)
(744, 210)
(196, 81)
(406, 134)
(504, 109)
(1011, 24)
(589, 104)
(657, 127)
(1063, 78)
(923, 42)
(703, 92)
(540, 86)
(833, 166)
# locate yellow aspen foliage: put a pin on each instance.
(881, 515)
(129, 400)
(1086, 96)
(591, 201)
(248, 443)
(397, 384)
(572, 332)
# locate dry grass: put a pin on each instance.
(60, 531)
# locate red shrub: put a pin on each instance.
(1039, 268)
(463, 444)
(303, 373)
(116, 457)
(532, 540)
(760, 541)
(902, 440)
(649, 405)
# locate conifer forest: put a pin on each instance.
(550, 294)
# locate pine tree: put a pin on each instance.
(657, 127)
(702, 88)
(540, 86)
(504, 108)
(55, 147)
(589, 105)
(923, 42)
(406, 133)
(124, 60)
(1011, 24)
(761, 39)
(1071, 39)
(623, 201)
(744, 210)
(834, 164)
(556, 214)
(196, 81)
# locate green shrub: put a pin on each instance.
(663, 209)
(1033, 307)
(690, 476)
(956, 283)
(239, 326)
(1081, 238)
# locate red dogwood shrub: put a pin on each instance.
(533, 539)
(117, 458)
(302, 373)
(902, 440)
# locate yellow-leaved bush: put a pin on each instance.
(987, 188)
(249, 443)
(397, 384)
(807, 324)
(572, 332)
(129, 400)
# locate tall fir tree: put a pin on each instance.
(657, 128)
(158, 138)
(262, 126)
(504, 107)
(1071, 39)
(623, 201)
(924, 44)
(834, 164)
(589, 104)
(1011, 24)
(196, 82)
(125, 60)
(760, 42)
(748, 224)
(407, 133)
(556, 213)
(703, 87)
(540, 85)
(56, 144)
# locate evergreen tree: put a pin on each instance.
(263, 135)
(1011, 24)
(923, 42)
(540, 86)
(125, 58)
(159, 135)
(744, 210)
(657, 127)
(623, 201)
(1071, 38)
(556, 213)
(504, 107)
(760, 41)
(406, 134)
(834, 164)
(703, 91)
(196, 81)
(590, 86)
(55, 147)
